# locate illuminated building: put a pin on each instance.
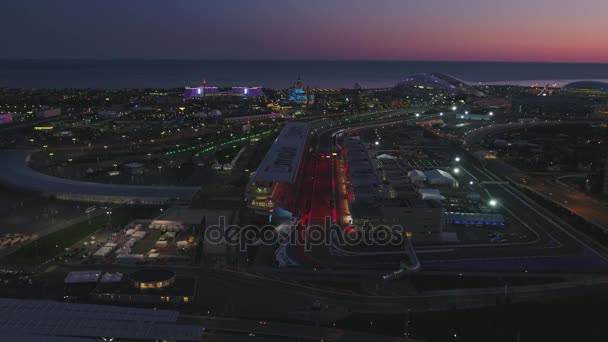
(200, 91)
(6, 119)
(271, 189)
(297, 93)
(248, 91)
(148, 286)
(152, 279)
(204, 90)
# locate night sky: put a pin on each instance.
(477, 30)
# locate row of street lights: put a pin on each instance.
(492, 202)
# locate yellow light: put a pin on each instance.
(43, 128)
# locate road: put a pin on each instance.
(555, 238)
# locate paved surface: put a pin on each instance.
(17, 174)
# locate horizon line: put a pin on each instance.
(58, 59)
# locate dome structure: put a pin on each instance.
(428, 81)
(587, 85)
(437, 82)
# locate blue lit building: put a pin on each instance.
(297, 93)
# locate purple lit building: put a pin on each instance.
(204, 90)
(6, 119)
(248, 91)
(200, 91)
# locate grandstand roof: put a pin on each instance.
(282, 161)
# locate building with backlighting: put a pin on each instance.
(248, 91)
(204, 90)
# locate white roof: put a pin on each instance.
(111, 277)
(438, 175)
(386, 156)
(103, 251)
(427, 193)
(82, 277)
(283, 159)
(416, 174)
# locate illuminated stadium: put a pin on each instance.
(587, 85)
(435, 82)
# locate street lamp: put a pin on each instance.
(456, 170)
(493, 203)
(457, 159)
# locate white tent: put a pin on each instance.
(111, 277)
(416, 176)
(430, 194)
(386, 156)
(440, 177)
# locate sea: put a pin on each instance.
(123, 74)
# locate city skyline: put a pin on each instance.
(439, 30)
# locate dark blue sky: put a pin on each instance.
(515, 30)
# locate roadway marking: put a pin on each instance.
(560, 227)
